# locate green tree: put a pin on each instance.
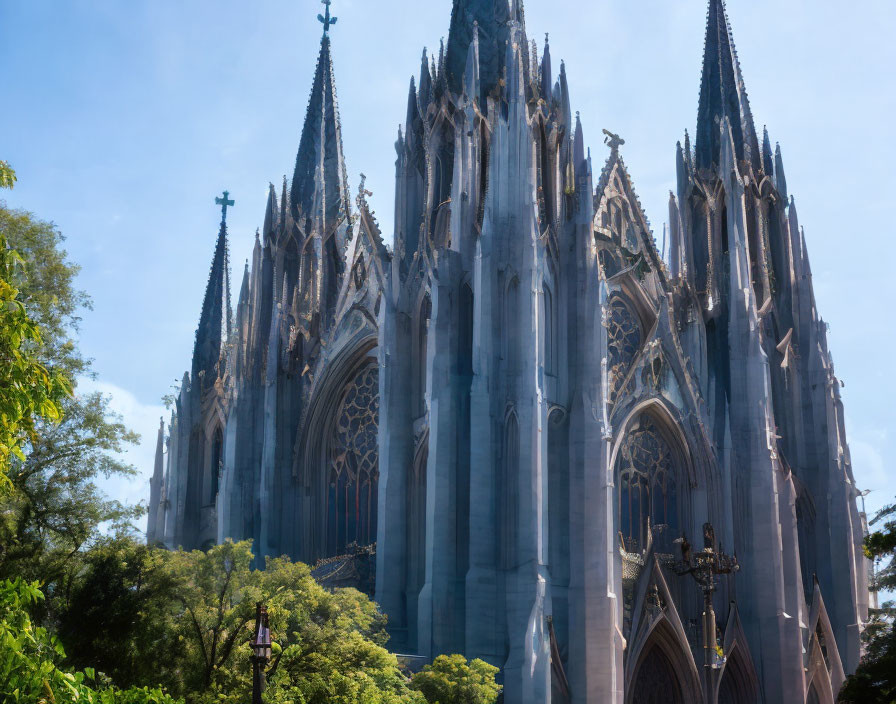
(184, 619)
(874, 681)
(55, 508)
(28, 389)
(329, 644)
(7, 175)
(451, 679)
(31, 657)
(118, 615)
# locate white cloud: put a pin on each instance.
(143, 419)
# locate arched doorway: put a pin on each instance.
(655, 680)
(737, 685)
(353, 467)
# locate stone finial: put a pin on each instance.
(614, 141)
(363, 193)
(326, 20)
(224, 201)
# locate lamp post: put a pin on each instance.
(261, 652)
(703, 567)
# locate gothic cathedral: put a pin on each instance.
(510, 426)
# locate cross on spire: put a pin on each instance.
(224, 202)
(325, 19)
(613, 141)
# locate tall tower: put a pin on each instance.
(283, 397)
(768, 381)
(559, 406)
(478, 334)
(182, 503)
(300, 476)
(523, 408)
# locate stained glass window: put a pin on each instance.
(623, 342)
(353, 473)
(647, 485)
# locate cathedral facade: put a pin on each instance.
(526, 407)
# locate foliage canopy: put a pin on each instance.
(31, 658)
(874, 681)
(184, 620)
(54, 507)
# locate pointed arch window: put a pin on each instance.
(550, 351)
(624, 339)
(423, 319)
(509, 493)
(213, 468)
(354, 467)
(648, 486)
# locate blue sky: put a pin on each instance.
(125, 119)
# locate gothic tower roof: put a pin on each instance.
(320, 195)
(215, 320)
(491, 18)
(723, 94)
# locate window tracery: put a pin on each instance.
(647, 486)
(354, 466)
(623, 342)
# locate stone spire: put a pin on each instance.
(320, 195)
(780, 179)
(723, 94)
(546, 72)
(491, 18)
(768, 159)
(271, 213)
(155, 487)
(425, 93)
(215, 319)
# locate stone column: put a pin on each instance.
(482, 577)
(441, 620)
(396, 448)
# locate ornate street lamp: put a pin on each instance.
(704, 566)
(261, 652)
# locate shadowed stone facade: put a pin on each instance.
(526, 405)
(273, 434)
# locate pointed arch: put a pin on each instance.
(824, 665)
(511, 324)
(736, 685)
(318, 439)
(651, 468)
(424, 314)
(289, 262)
(738, 682)
(659, 667)
(211, 474)
(508, 493)
(549, 326)
(625, 337)
(353, 468)
(307, 276)
(819, 690)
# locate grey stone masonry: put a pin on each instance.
(523, 406)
